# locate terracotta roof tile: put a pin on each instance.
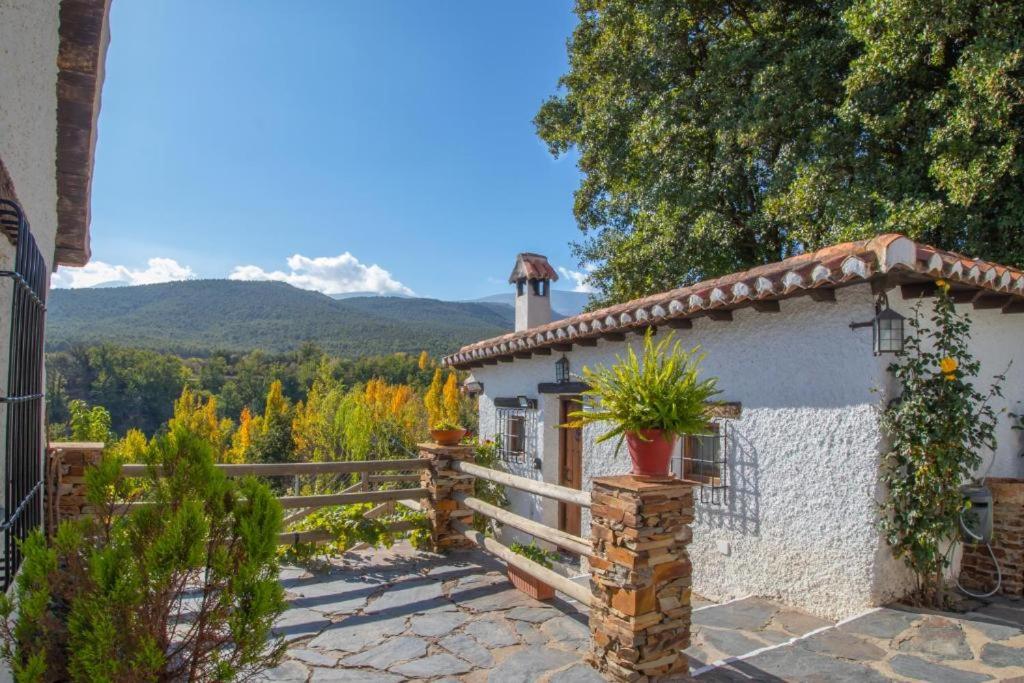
(532, 267)
(840, 264)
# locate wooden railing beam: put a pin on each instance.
(282, 469)
(349, 498)
(541, 488)
(552, 578)
(562, 539)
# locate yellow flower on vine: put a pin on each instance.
(948, 365)
(943, 285)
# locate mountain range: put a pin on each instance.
(197, 317)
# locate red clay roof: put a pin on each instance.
(827, 268)
(532, 267)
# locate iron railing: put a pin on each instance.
(25, 438)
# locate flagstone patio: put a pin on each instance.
(384, 616)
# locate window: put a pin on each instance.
(517, 434)
(24, 400)
(702, 459)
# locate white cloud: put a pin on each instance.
(328, 274)
(580, 278)
(97, 273)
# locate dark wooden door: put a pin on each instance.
(570, 466)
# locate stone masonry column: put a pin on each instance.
(640, 576)
(66, 463)
(443, 483)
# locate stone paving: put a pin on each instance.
(888, 644)
(402, 615)
(386, 616)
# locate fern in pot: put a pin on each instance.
(648, 401)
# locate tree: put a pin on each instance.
(200, 417)
(433, 400)
(89, 424)
(184, 589)
(273, 442)
(424, 360)
(714, 137)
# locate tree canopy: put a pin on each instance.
(714, 137)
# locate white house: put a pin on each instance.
(51, 72)
(790, 482)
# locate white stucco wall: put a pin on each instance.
(28, 110)
(800, 511)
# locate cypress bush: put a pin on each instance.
(182, 588)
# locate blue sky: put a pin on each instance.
(378, 145)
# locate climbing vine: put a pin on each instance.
(938, 429)
(350, 526)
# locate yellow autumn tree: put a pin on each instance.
(433, 400)
(424, 359)
(199, 416)
(452, 399)
(248, 427)
(316, 431)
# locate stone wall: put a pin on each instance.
(640, 576)
(443, 483)
(977, 572)
(65, 470)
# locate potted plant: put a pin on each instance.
(534, 587)
(648, 401)
(443, 404)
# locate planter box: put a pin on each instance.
(535, 588)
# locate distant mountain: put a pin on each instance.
(200, 316)
(565, 302)
(376, 295)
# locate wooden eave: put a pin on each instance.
(885, 262)
(84, 37)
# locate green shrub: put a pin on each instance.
(183, 588)
(544, 558)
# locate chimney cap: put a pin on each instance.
(530, 266)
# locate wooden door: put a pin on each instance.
(570, 466)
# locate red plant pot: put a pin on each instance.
(447, 437)
(650, 450)
(535, 588)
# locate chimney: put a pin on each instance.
(532, 277)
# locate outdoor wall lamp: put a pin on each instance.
(526, 403)
(473, 388)
(886, 328)
(562, 370)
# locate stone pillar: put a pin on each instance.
(640, 575)
(443, 482)
(977, 573)
(66, 463)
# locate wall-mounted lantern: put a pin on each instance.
(473, 388)
(886, 328)
(562, 370)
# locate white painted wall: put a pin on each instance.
(801, 507)
(28, 110)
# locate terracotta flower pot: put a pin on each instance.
(535, 588)
(650, 450)
(447, 437)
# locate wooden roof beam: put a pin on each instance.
(721, 316)
(680, 323)
(770, 306)
(822, 295)
(986, 301)
(563, 347)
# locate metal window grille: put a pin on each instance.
(703, 458)
(23, 464)
(517, 434)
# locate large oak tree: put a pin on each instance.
(717, 136)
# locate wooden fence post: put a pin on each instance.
(640, 575)
(443, 483)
